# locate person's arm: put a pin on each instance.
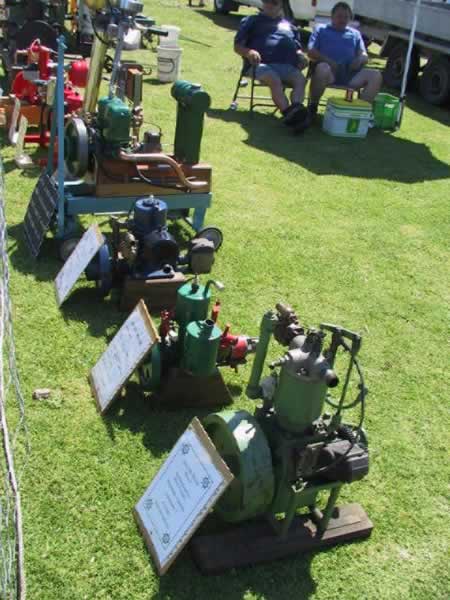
(242, 41)
(314, 52)
(361, 57)
(253, 56)
(302, 58)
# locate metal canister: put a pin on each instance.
(192, 304)
(201, 345)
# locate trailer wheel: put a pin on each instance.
(395, 65)
(435, 82)
(224, 7)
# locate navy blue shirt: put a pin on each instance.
(277, 40)
(341, 46)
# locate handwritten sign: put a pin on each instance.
(127, 349)
(84, 252)
(187, 486)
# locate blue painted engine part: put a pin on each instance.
(142, 248)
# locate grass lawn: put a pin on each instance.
(348, 231)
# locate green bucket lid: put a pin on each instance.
(356, 104)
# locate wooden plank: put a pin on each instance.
(255, 542)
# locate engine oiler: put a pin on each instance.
(183, 368)
(146, 261)
(291, 452)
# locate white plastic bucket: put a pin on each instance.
(169, 63)
(132, 40)
(171, 40)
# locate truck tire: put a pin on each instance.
(223, 7)
(395, 65)
(435, 82)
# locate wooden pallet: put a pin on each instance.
(255, 542)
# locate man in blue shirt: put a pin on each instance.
(271, 44)
(340, 56)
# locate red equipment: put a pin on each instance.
(30, 86)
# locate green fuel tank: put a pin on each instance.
(201, 345)
(192, 304)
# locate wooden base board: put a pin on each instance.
(182, 389)
(255, 542)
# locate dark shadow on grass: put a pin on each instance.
(87, 306)
(382, 155)
(279, 580)
(146, 414)
(441, 114)
(44, 268)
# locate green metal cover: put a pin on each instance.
(201, 345)
(242, 444)
(343, 104)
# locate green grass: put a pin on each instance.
(347, 231)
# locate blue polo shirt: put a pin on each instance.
(341, 46)
(277, 40)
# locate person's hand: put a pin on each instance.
(253, 57)
(355, 64)
(302, 60)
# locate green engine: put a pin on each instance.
(114, 123)
(285, 456)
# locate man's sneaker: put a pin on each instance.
(312, 111)
(303, 124)
(289, 115)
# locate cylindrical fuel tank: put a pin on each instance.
(201, 345)
(192, 304)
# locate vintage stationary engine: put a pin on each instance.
(291, 450)
(104, 144)
(146, 260)
(34, 86)
(183, 367)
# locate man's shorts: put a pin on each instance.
(284, 72)
(344, 76)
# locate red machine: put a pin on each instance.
(32, 86)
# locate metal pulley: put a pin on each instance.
(240, 441)
(100, 270)
(76, 147)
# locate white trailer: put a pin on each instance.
(389, 23)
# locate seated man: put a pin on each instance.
(271, 43)
(339, 54)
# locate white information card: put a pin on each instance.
(127, 349)
(180, 496)
(84, 252)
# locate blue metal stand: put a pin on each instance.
(71, 205)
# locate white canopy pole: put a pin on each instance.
(408, 63)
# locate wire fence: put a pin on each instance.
(14, 436)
